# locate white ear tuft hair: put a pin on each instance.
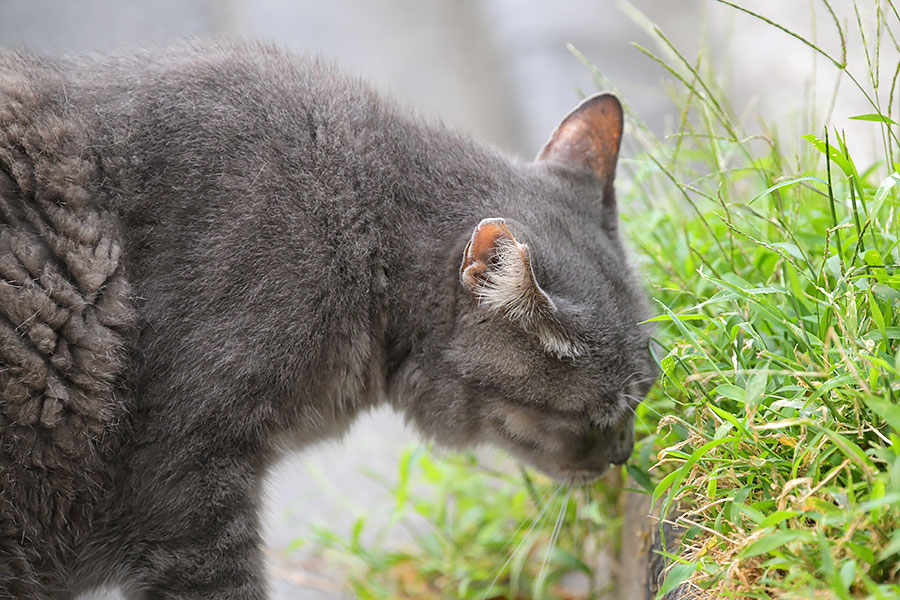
(496, 269)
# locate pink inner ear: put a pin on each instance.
(589, 136)
(481, 247)
(484, 240)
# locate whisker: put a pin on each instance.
(648, 407)
(539, 584)
(627, 379)
(541, 504)
(548, 501)
(636, 415)
(587, 500)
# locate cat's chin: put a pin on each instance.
(563, 467)
(578, 476)
(568, 476)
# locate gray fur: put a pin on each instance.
(215, 253)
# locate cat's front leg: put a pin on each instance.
(215, 553)
(231, 571)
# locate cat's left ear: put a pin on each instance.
(589, 137)
(496, 269)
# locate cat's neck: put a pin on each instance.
(448, 184)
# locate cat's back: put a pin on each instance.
(89, 148)
(100, 154)
(170, 152)
(222, 102)
(74, 134)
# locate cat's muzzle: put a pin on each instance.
(600, 447)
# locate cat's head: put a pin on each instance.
(547, 357)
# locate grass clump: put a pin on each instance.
(777, 281)
(773, 438)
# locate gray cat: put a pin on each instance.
(214, 254)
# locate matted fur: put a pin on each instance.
(65, 323)
(217, 252)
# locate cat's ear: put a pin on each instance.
(589, 137)
(496, 269)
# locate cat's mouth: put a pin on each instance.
(568, 476)
(580, 477)
(568, 457)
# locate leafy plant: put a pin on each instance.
(777, 282)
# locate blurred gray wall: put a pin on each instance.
(498, 69)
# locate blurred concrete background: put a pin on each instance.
(498, 69)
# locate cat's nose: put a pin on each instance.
(600, 447)
(622, 451)
(622, 442)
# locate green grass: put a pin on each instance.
(477, 532)
(777, 279)
(775, 429)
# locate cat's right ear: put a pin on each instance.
(589, 138)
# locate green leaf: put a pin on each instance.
(848, 574)
(892, 548)
(408, 461)
(851, 451)
(890, 333)
(832, 152)
(677, 575)
(892, 499)
(722, 430)
(753, 514)
(680, 473)
(687, 333)
(777, 517)
(897, 362)
(664, 485)
(874, 117)
(864, 553)
(885, 409)
(727, 416)
(294, 545)
(640, 477)
(775, 540)
(782, 184)
(682, 317)
(881, 194)
(756, 389)
(878, 318)
(357, 532)
(732, 392)
(887, 293)
(873, 258)
(791, 249)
